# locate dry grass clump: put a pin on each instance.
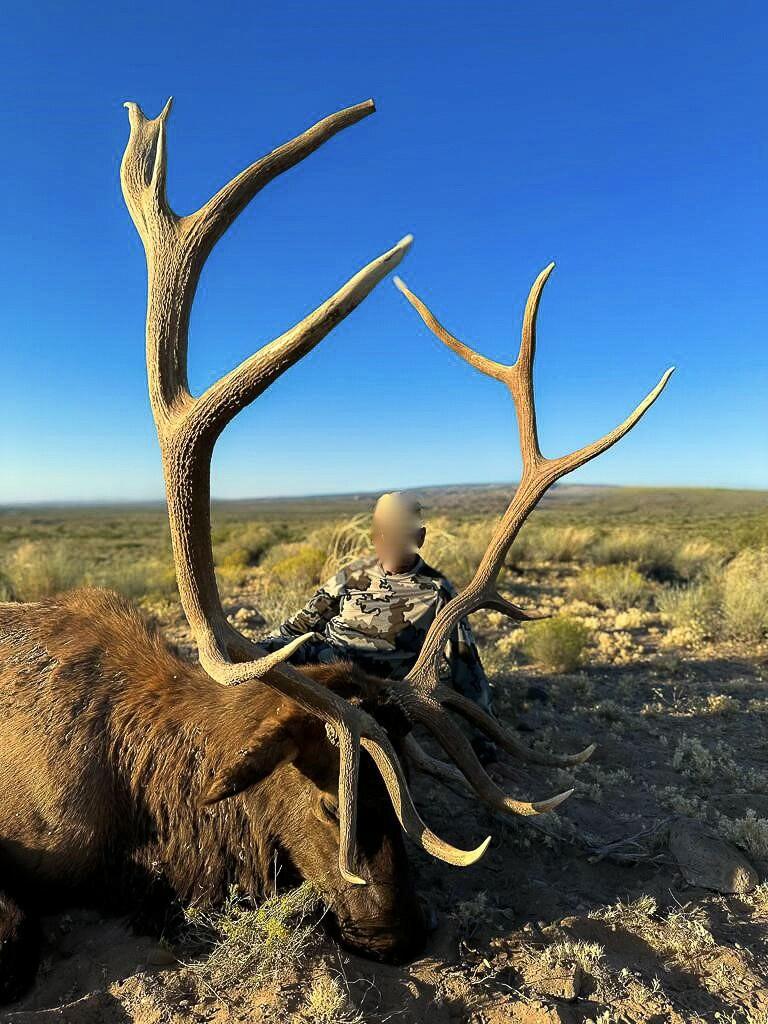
(731, 604)
(557, 644)
(328, 1002)
(559, 543)
(745, 595)
(149, 577)
(612, 586)
(634, 914)
(36, 569)
(458, 550)
(697, 557)
(243, 943)
(651, 553)
(348, 541)
(749, 832)
(759, 898)
(574, 953)
(682, 936)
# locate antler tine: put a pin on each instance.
(487, 366)
(237, 389)
(353, 728)
(187, 429)
(215, 216)
(430, 712)
(475, 714)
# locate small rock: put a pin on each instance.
(246, 617)
(709, 861)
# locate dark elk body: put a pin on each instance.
(129, 778)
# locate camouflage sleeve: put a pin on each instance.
(316, 613)
(467, 674)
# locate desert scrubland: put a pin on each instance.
(616, 908)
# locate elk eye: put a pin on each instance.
(329, 808)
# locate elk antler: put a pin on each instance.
(187, 427)
(422, 696)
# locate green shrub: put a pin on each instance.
(303, 568)
(237, 548)
(557, 644)
(243, 942)
(612, 586)
(695, 607)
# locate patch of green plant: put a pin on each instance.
(558, 644)
(247, 942)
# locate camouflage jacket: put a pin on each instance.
(380, 619)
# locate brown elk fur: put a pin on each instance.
(128, 774)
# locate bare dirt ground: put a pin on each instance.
(581, 916)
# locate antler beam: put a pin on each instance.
(422, 694)
(187, 427)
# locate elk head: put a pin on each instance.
(187, 427)
(283, 768)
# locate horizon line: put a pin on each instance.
(363, 493)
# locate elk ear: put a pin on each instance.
(271, 749)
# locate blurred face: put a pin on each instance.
(397, 532)
(396, 548)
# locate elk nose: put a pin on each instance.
(393, 944)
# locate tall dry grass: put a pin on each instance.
(456, 548)
(348, 541)
(730, 603)
(37, 569)
(613, 586)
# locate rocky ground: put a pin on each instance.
(642, 901)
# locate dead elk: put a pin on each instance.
(130, 778)
(126, 772)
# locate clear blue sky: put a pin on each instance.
(626, 141)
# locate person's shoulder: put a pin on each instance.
(364, 562)
(358, 571)
(438, 578)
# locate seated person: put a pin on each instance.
(376, 612)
